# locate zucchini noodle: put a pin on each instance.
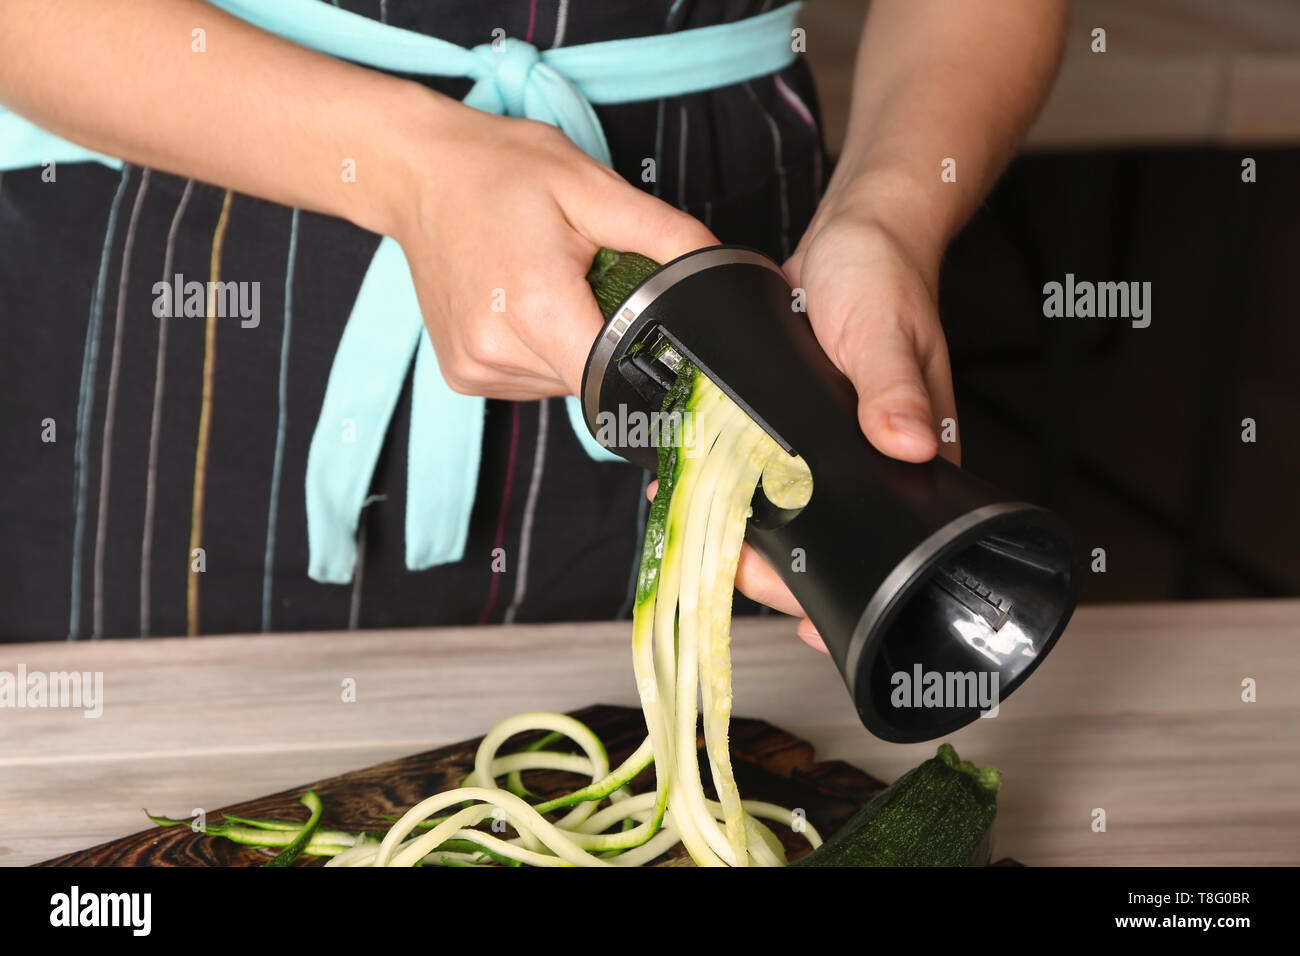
(681, 650)
(681, 655)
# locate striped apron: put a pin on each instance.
(158, 482)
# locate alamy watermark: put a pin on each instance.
(193, 299)
(1083, 299)
(55, 689)
(75, 908)
(948, 689)
(633, 428)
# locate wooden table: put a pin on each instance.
(1138, 711)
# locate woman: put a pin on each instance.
(178, 463)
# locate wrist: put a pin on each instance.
(397, 145)
(916, 212)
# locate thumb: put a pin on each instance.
(894, 407)
(624, 218)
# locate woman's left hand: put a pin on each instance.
(872, 302)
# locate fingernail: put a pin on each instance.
(912, 425)
(810, 636)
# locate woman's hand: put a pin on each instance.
(506, 219)
(942, 93)
(871, 300)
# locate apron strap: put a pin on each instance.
(385, 331)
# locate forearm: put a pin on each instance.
(939, 80)
(254, 113)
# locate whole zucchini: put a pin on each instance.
(937, 814)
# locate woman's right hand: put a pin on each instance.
(502, 219)
(499, 217)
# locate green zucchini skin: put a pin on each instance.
(652, 547)
(613, 276)
(937, 814)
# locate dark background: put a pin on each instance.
(1132, 172)
(1135, 434)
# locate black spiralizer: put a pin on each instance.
(911, 569)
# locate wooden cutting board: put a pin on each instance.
(770, 765)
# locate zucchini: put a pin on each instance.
(937, 814)
(290, 853)
(613, 276)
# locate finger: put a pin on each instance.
(568, 329)
(756, 580)
(480, 352)
(468, 370)
(810, 636)
(526, 391)
(793, 268)
(894, 408)
(938, 379)
(517, 387)
(625, 218)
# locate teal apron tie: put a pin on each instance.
(385, 331)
